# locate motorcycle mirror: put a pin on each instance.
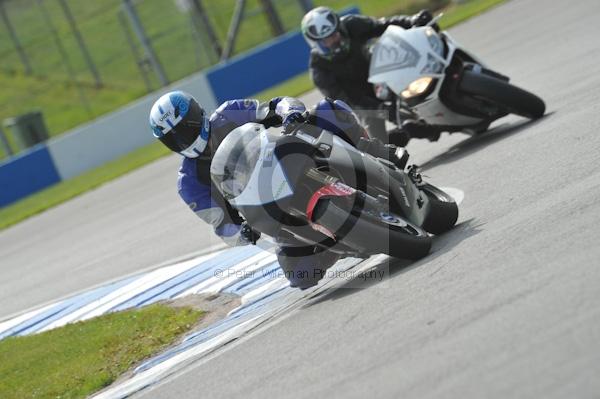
(435, 19)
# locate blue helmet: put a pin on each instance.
(180, 123)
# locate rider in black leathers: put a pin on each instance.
(339, 63)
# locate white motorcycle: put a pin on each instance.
(439, 87)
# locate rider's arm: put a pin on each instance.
(328, 85)
(235, 113)
(363, 27)
(326, 82)
(212, 209)
(279, 110)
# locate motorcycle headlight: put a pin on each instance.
(417, 87)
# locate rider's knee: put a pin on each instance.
(302, 268)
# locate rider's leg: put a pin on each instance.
(303, 266)
(421, 130)
(398, 136)
(337, 117)
(374, 126)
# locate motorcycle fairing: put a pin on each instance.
(268, 182)
(401, 56)
(434, 61)
(368, 174)
(336, 189)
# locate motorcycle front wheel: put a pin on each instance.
(511, 98)
(372, 231)
(443, 210)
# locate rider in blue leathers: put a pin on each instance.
(180, 123)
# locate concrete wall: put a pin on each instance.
(118, 133)
(90, 145)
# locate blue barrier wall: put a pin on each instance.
(27, 173)
(263, 67)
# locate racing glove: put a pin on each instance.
(291, 121)
(247, 235)
(294, 119)
(291, 111)
(422, 18)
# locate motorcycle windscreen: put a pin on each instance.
(245, 169)
(402, 56)
(235, 160)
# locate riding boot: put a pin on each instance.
(305, 266)
(398, 137)
(421, 130)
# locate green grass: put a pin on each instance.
(68, 100)
(65, 190)
(81, 358)
(457, 13)
(59, 100)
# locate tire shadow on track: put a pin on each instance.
(394, 268)
(479, 141)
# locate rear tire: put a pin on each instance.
(509, 97)
(443, 211)
(372, 235)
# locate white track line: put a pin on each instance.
(104, 304)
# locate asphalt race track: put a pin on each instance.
(507, 305)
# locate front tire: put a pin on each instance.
(372, 232)
(443, 211)
(511, 98)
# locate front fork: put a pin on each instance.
(403, 112)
